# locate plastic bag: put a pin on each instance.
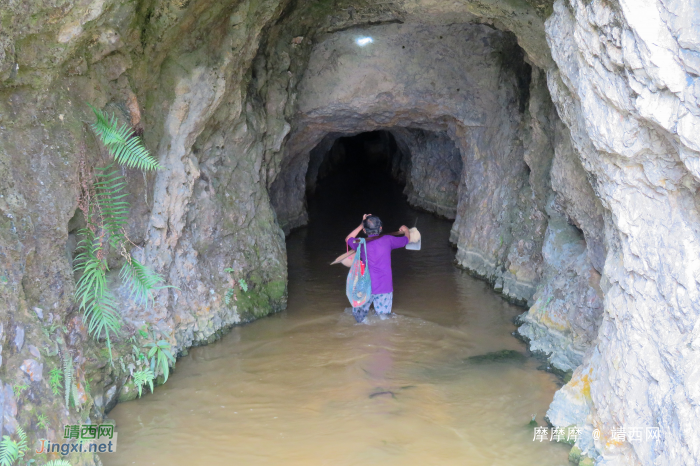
(359, 286)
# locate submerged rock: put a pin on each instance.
(497, 357)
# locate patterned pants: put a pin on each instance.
(382, 306)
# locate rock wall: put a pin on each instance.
(626, 85)
(435, 170)
(563, 322)
(175, 71)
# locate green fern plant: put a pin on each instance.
(230, 293)
(109, 196)
(140, 280)
(42, 422)
(75, 396)
(67, 376)
(11, 450)
(143, 377)
(55, 379)
(92, 295)
(121, 141)
(57, 463)
(19, 388)
(70, 388)
(103, 201)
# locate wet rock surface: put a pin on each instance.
(629, 101)
(432, 183)
(563, 323)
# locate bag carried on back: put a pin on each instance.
(358, 286)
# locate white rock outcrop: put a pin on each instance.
(626, 85)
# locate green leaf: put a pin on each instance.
(228, 296)
(109, 195)
(42, 421)
(55, 378)
(243, 285)
(68, 376)
(9, 451)
(141, 281)
(22, 441)
(160, 357)
(19, 388)
(143, 377)
(121, 141)
(58, 463)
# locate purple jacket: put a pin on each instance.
(379, 252)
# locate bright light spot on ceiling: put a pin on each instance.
(362, 41)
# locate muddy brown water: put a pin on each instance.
(309, 386)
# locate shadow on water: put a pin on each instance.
(309, 386)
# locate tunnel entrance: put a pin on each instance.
(363, 157)
(425, 164)
(359, 174)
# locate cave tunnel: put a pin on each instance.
(180, 228)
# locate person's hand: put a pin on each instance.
(404, 229)
(365, 216)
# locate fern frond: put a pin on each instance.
(93, 267)
(22, 444)
(67, 376)
(140, 279)
(102, 317)
(55, 378)
(228, 296)
(109, 186)
(58, 463)
(9, 451)
(75, 396)
(92, 295)
(42, 421)
(143, 377)
(244, 286)
(121, 141)
(19, 388)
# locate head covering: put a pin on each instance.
(372, 225)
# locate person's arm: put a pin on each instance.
(400, 241)
(356, 231)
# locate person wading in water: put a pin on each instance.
(379, 252)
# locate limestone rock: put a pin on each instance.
(563, 323)
(33, 369)
(19, 338)
(435, 170)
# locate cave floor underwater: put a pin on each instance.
(309, 386)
